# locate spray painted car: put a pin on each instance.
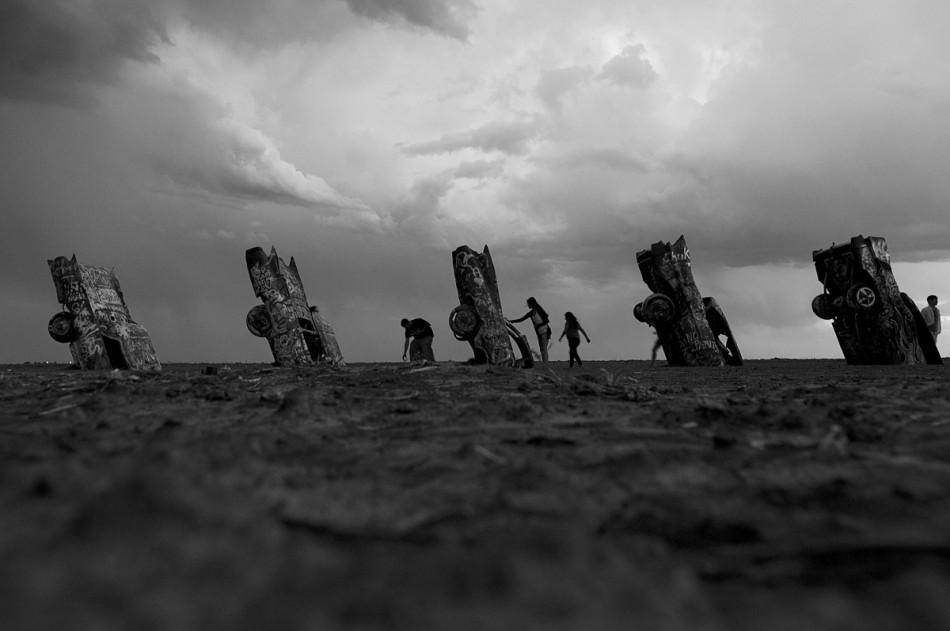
(479, 319)
(95, 320)
(692, 330)
(874, 321)
(297, 333)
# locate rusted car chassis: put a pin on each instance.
(297, 333)
(874, 321)
(95, 320)
(479, 319)
(692, 330)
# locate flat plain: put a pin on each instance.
(785, 494)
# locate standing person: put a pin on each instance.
(539, 318)
(932, 316)
(421, 334)
(573, 329)
(657, 345)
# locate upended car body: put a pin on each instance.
(690, 328)
(95, 320)
(297, 333)
(874, 321)
(479, 319)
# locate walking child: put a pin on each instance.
(573, 329)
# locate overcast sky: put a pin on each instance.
(369, 138)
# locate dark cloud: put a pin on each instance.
(250, 25)
(54, 49)
(418, 214)
(480, 169)
(278, 22)
(447, 17)
(614, 158)
(61, 50)
(827, 152)
(554, 84)
(630, 68)
(187, 138)
(810, 127)
(511, 138)
(828, 134)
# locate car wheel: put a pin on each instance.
(638, 312)
(862, 297)
(464, 322)
(658, 309)
(258, 321)
(62, 328)
(823, 307)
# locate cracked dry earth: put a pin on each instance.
(780, 495)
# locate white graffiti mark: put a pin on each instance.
(280, 289)
(94, 297)
(474, 277)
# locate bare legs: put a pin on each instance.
(543, 339)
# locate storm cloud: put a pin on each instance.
(448, 17)
(368, 139)
(509, 137)
(58, 51)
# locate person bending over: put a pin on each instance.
(420, 333)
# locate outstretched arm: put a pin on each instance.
(405, 348)
(524, 317)
(581, 329)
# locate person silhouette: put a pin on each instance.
(542, 328)
(573, 329)
(932, 316)
(657, 345)
(420, 333)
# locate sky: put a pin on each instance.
(369, 138)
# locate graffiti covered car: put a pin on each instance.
(692, 330)
(297, 332)
(874, 321)
(95, 320)
(479, 319)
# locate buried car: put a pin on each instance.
(479, 320)
(95, 320)
(689, 327)
(874, 321)
(297, 333)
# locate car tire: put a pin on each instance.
(258, 321)
(862, 297)
(638, 312)
(658, 309)
(822, 306)
(62, 328)
(464, 322)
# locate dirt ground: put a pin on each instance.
(781, 495)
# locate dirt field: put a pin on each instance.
(781, 495)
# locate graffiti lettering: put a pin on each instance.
(281, 291)
(94, 297)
